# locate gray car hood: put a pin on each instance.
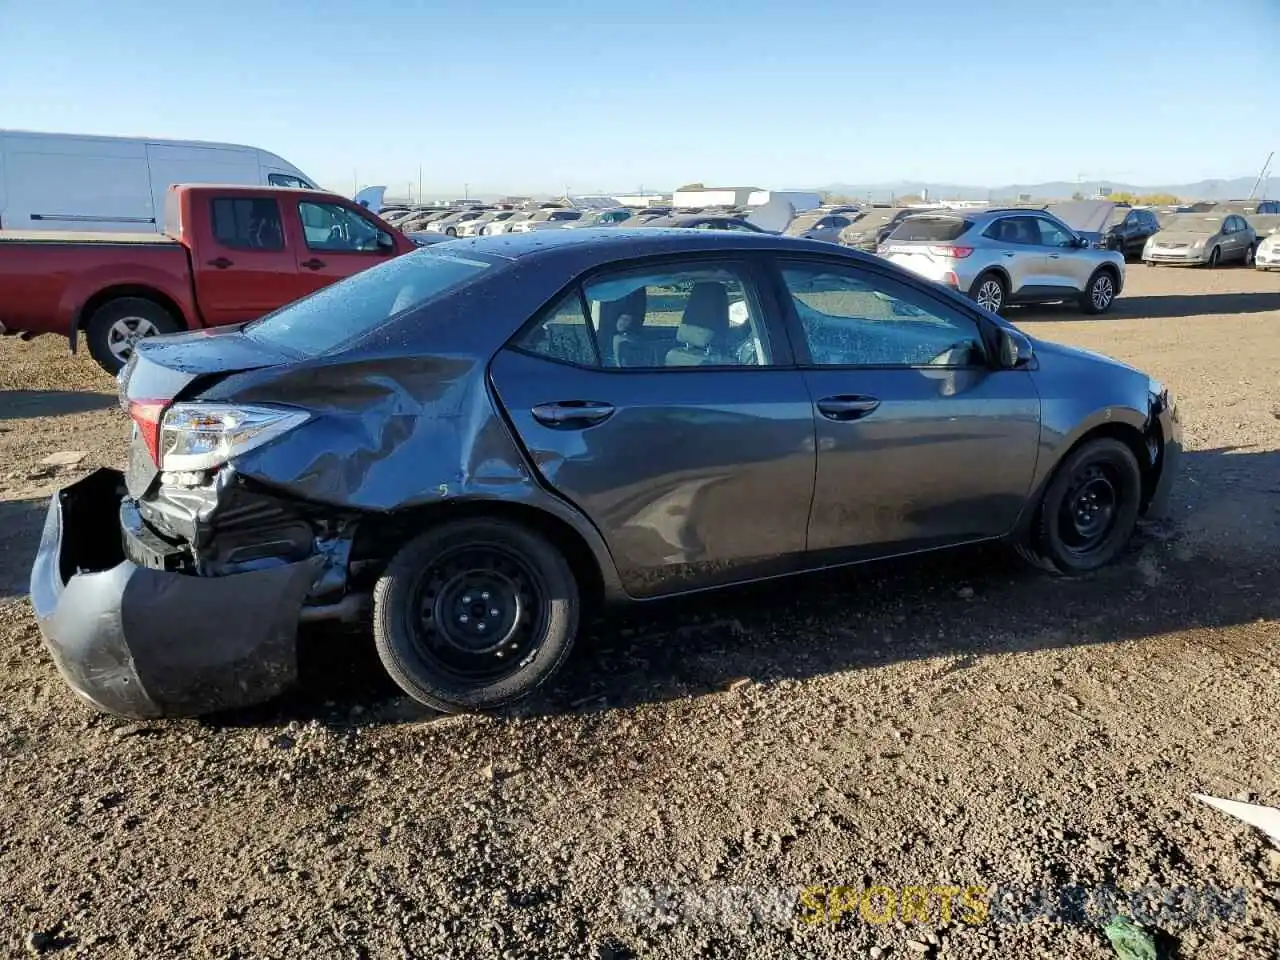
(1055, 354)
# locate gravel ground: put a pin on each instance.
(956, 722)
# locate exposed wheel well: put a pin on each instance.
(1132, 438)
(115, 293)
(381, 536)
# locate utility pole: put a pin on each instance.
(1262, 174)
(419, 183)
(466, 191)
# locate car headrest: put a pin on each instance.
(691, 335)
(708, 307)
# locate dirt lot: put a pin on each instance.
(954, 722)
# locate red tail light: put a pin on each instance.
(147, 414)
(950, 250)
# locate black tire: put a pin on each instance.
(1215, 257)
(990, 287)
(439, 656)
(108, 325)
(450, 232)
(1100, 294)
(1250, 253)
(1089, 510)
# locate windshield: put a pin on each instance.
(1193, 223)
(356, 306)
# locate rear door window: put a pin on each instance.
(247, 223)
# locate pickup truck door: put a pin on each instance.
(240, 262)
(336, 241)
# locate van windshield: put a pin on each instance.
(346, 311)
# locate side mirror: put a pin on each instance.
(1015, 349)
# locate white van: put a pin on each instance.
(62, 181)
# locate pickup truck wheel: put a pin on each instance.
(474, 614)
(117, 325)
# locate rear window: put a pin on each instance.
(361, 304)
(930, 228)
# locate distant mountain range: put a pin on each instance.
(1236, 189)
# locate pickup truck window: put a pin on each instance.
(357, 306)
(332, 227)
(247, 223)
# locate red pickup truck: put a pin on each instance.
(227, 255)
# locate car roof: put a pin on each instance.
(605, 245)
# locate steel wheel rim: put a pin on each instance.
(125, 333)
(990, 295)
(477, 612)
(1103, 291)
(1090, 509)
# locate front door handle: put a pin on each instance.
(572, 414)
(1055, 256)
(847, 407)
(221, 263)
(312, 264)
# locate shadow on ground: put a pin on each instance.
(20, 524)
(1155, 308)
(960, 604)
(27, 404)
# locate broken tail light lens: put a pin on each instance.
(204, 436)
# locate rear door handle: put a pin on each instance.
(221, 263)
(572, 414)
(847, 407)
(1055, 256)
(312, 264)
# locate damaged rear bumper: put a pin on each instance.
(143, 642)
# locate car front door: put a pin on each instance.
(922, 442)
(242, 266)
(336, 242)
(1067, 269)
(661, 400)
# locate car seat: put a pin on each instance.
(703, 328)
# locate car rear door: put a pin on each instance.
(333, 242)
(921, 441)
(690, 448)
(242, 265)
(1018, 251)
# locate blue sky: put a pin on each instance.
(511, 96)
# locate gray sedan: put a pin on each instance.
(1207, 239)
(476, 444)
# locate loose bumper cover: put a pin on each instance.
(143, 642)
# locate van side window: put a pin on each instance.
(247, 223)
(284, 180)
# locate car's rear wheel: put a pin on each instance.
(1215, 256)
(1089, 509)
(474, 614)
(989, 292)
(115, 328)
(1250, 254)
(1100, 295)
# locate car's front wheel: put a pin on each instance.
(989, 292)
(1215, 256)
(1100, 295)
(1089, 509)
(1250, 253)
(474, 614)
